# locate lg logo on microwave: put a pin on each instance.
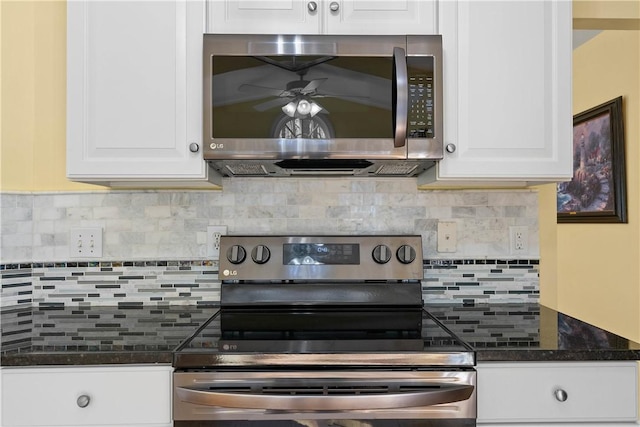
(215, 146)
(230, 272)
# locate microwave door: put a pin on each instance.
(270, 102)
(400, 97)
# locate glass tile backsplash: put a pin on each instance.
(164, 283)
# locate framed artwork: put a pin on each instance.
(597, 192)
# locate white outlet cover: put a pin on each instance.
(213, 252)
(519, 240)
(447, 236)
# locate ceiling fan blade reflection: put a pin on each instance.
(331, 95)
(278, 102)
(312, 86)
(263, 89)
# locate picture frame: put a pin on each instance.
(597, 192)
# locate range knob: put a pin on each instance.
(236, 254)
(406, 254)
(381, 254)
(260, 254)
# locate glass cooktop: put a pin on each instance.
(330, 335)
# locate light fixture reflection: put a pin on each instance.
(302, 108)
(290, 109)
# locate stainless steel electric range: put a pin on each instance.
(320, 331)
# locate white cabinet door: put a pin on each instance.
(322, 16)
(87, 396)
(586, 392)
(507, 77)
(263, 17)
(381, 17)
(134, 78)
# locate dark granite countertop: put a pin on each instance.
(531, 332)
(117, 335)
(96, 335)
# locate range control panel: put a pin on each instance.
(330, 258)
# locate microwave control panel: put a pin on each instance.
(420, 120)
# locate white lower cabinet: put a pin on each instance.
(86, 396)
(586, 393)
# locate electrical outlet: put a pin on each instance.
(519, 239)
(213, 240)
(85, 242)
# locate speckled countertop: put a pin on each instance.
(117, 335)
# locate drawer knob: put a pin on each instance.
(83, 401)
(560, 395)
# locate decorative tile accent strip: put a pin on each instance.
(127, 283)
(156, 283)
(481, 281)
(16, 288)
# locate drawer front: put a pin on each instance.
(525, 392)
(126, 395)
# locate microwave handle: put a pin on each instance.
(400, 97)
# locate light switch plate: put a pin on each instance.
(85, 242)
(447, 236)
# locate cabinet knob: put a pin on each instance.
(451, 148)
(194, 147)
(312, 6)
(83, 401)
(560, 395)
(334, 6)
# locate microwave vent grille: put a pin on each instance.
(403, 169)
(247, 169)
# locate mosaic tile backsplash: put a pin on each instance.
(136, 284)
(154, 242)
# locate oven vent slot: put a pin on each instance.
(330, 390)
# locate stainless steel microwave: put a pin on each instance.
(292, 105)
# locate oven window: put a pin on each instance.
(317, 97)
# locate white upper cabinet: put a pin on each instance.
(507, 77)
(134, 78)
(322, 16)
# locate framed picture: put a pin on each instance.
(597, 192)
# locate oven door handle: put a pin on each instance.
(289, 402)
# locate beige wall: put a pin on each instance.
(598, 265)
(33, 115)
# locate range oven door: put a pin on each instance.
(349, 398)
